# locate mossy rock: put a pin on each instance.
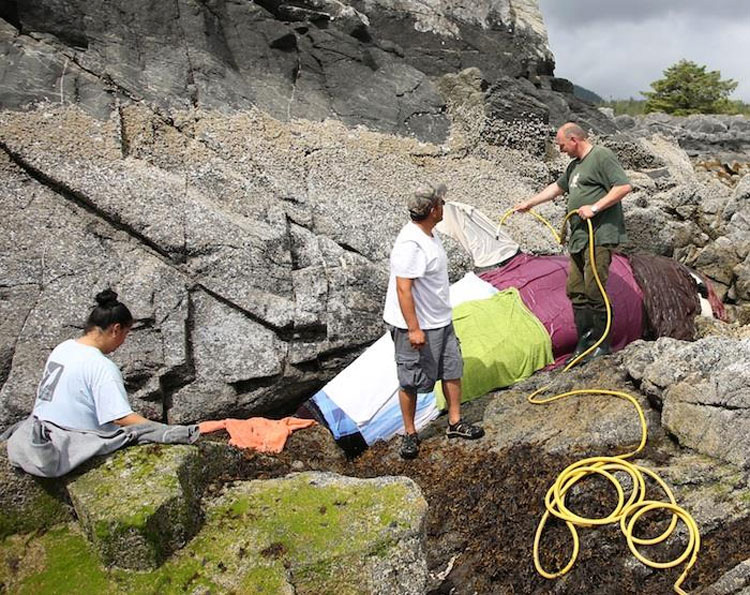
(307, 533)
(320, 532)
(143, 503)
(28, 503)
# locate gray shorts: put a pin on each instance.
(420, 369)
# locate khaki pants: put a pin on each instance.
(581, 286)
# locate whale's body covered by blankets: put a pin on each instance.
(513, 318)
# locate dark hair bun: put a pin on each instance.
(106, 298)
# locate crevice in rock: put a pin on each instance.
(227, 302)
(143, 323)
(292, 199)
(417, 114)
(285, 43)
(5, 373)
(9, 13)
(408, 91)
(6, 362)
(251, 385)
(312, 333)
(291, 399)
(349, 248)
(362, 34)
(296, 73)
(179, 376)
(191, 87)
(76, 90)
(292, 249)
(207, 6)
(184, 247)
(16, 285)
(83, 202)
(108, 82)
(719, 406)
(343, 352)
(311, 366)
(124, 142)
(135, 382)
(173, 380)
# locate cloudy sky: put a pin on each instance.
(617, 48)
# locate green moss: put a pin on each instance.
(63, 561)
(40, 512)
(264, 579)
(185, 576)
(306, 518)
(339, 577)
(135, 500)
(256, 534)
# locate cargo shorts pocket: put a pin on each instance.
(412, 377)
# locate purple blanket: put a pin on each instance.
(541, 283)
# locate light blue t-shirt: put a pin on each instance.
(81, 389)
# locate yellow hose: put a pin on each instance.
(628, 511)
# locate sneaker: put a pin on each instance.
(463, 429)
(409, 446)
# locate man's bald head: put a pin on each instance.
(573, 140)
(572, 130)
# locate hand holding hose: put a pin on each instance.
(586, 212)
(522, 206)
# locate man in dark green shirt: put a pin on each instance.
(595, 183)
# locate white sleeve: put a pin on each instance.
(110, 398)
(408, 260)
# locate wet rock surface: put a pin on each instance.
(736, 580)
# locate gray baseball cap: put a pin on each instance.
(424, 198)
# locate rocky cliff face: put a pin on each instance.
(371, 62)
(362, 62)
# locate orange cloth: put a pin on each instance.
(264, 435)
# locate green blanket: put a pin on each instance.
(502, 342)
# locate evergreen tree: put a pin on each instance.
(688, 89)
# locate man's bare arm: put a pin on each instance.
(549, 193)
(406, 302)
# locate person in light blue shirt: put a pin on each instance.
(81, 388)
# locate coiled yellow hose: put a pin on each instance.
(627, 512)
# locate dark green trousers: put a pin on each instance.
(581, 286)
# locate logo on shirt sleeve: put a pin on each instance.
(47, 386)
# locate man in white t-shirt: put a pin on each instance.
(419, 316)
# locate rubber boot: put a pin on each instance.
(600, 324)
(584, 326)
